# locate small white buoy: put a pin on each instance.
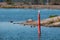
(30, 20)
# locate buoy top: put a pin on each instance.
(38, 11)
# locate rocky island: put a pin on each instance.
(51, 22)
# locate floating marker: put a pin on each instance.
(39, 28)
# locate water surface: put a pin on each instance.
(10, 31)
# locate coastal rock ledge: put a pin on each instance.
(51, 22)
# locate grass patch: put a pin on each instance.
(51, 16)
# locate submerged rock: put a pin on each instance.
(11, 21)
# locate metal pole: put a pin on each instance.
(39, 26)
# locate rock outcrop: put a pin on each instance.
(55, 21)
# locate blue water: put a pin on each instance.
(10, 31)
(24, 14)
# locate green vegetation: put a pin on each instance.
(9, 2)
(36, 1)
(42, 1)
(51, 16)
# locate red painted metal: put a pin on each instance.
(39, 27)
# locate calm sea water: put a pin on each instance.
(9, 31)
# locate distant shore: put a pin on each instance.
(33, 6)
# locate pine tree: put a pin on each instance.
(42, 1)
(9, 1)
(35, 1)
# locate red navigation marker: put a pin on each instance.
(39, 28)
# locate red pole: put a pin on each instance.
(39, 28)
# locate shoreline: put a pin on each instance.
(33, 6)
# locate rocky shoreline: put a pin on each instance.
(33, 6)
(51, 22)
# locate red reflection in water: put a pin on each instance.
(39, 35)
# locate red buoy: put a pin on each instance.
(39, 28)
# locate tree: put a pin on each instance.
(35, 1)
(42, 1)
(56, 2)
(9, 1)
